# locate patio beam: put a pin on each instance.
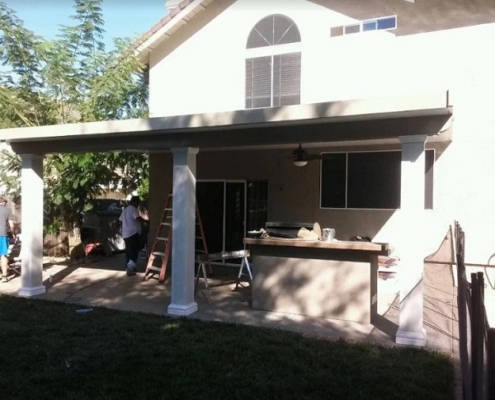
(183, 231)
(32, 225)
(359, 119)
(266, 134)
(411, 330)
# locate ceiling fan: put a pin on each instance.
(301, 157)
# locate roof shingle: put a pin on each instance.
(164, 21)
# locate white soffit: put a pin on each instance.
(421, 104)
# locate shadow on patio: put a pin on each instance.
(103, 283)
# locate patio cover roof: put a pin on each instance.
(364, 119)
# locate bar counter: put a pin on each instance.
(324, 279)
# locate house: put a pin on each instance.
(390, 98)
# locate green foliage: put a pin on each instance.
(67, 80)
(10, 169)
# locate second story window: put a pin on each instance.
(273, 67)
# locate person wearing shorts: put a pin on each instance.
(6, 219)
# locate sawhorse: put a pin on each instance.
(207, 258)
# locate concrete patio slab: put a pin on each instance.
(104, 283)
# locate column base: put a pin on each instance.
(177, 309)
(31, 291)
(411, 338)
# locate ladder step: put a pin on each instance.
(167, 238)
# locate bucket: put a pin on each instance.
(328, 234)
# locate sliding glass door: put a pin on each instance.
(235, 215)
(228, 209)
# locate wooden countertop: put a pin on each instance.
(381, 248)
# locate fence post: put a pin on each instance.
(482, 333)
(477, 334)
(462, 294)
(474, 334)
(490, 390)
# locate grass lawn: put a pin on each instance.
(48, 351)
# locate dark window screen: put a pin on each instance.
(373, 180)
(333, 185)
(210, 200)
(368, 180)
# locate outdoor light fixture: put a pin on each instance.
(300, 157)
(300, 163)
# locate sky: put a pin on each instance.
(123, 18)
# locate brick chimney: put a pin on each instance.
(171, 4)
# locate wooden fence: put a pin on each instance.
(476, 338)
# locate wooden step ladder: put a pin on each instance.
(162, 244)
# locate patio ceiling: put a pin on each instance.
(364, 119)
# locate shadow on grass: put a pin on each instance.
(50, 351)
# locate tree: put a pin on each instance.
(71, 79)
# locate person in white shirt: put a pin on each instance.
(131, 220)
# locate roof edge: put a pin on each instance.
(372, 108)
(160, 29)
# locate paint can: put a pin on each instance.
(328, 234)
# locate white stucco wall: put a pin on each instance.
(205, 73)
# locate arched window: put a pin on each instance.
(274, 78)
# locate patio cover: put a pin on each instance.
(407, 119)
(364, 119)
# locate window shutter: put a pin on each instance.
(258, 82)
(249, 83)
(286, 79)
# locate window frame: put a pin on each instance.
(271, 51)
(350, 28)
(271, 78)
(347, 177)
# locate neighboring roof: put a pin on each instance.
(164, 28)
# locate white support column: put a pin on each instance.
(411, 330)
(32, 225)
(183, 231)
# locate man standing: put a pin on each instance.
(131, 230)
(5, 218)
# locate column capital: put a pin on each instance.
(184, 150)
(413, 139)
(31, 156)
